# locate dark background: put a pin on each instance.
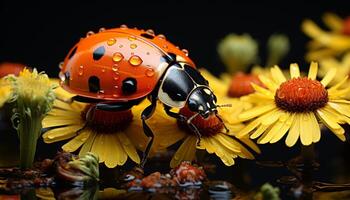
(41, 34)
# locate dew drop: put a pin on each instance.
(123, 26)
(81, 70)
(115, 68)
(131, 38)
(133, 46)
(116, 86)
(60, 65)
(103, 70)
(121, 46)
(117, 57)
(62, 76)
(150, 31)
(161, 36)
(177, 47)
(90, 33)
(280, 95)
(150, 72)
(185, 51)
(101, 91)
(135, 60)
(102, 29)
(111, 41)
(115, 95)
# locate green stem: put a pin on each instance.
(29, 130)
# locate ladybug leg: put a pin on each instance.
(186, 120)
(222, 121)
(146, 114)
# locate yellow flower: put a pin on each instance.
(32, 94)
(342, 66)
(214, 137)
(5, 92)
(295, 106)
(327, 43)
(112, 136)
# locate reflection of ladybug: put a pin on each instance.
(117, 68)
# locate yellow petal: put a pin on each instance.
(294, 70)
(277, 75)
(338, 85)
(294, 131)
(271, 133)
(271, 117)
(186, 152)
(98, 147)
(333, 21)
(251, 126)
(328, 119)
(316, 131)
(283, 130)
(258, 110)
(268, 83)
(226, 141)
(313, 70)
(53, 121)
(129, 147)
(329, 77)
(306, 126)
(250, 144)
(120, 151)
(88, 144)
(77, 141)
(62, 133)
(341, 108)
(259, 131)
(263, 91)
(111, 150)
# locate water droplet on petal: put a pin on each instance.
(62, 76)
(150, 31)
(135, 60)
(185, 51)
(133, 46)
(117, 57)
(123, 26)
(90, 33)
(150, 72)
(111, 41)
(161, 36)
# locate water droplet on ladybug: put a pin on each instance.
(150, 72)
(185, 51)
(150, 31)
(101, 91)
(102, 29)
(60, 65)
(62, 76)
(177, 47)
(81, 70)
(115, 68)
(123, 26)
(114, 95)
(90, 33)
(117, 57)
(133, 46)
(135, 60)
(103, 70)
(161, 36)
(131, 38)
(111, 41)
(165, 46)
(116, 86)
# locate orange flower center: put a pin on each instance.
(241, 84)
(346, 27)
(107, 121)
(206, 127)
(301, 95)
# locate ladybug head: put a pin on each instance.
(183, 85)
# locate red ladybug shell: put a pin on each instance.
(113, 56)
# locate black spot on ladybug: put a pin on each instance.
(72, 53)
(99, 52)
(129, 86)
(94, 84)
(145, 35)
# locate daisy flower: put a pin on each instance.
(342, 66)
(214, 139)
(294, 107)
(112, 136)
(327, 43)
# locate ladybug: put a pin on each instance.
(118, 68)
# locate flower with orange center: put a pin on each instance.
(342, 65)
(214, 137)
(295, 107)
(241, 84)
(327, 43)
(112, 136)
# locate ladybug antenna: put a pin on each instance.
(224, 105)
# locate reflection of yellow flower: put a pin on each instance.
(112, 136)
(296, 105)
(214, 138)
(326, 43)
